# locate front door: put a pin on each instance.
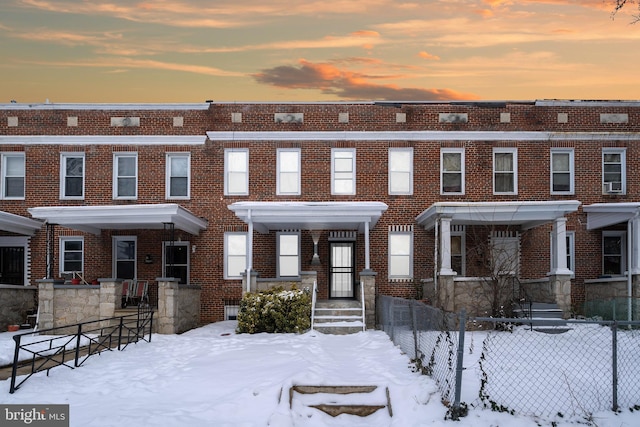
(341, 270)
(12, 265)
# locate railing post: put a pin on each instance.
(14, 369)
(614, 364)
(460, 356)
(77, 352)
(120, 332)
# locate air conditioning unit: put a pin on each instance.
(613, 187)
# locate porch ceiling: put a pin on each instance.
(93, 219)
(18, 224)
(600, 215)
(528, 214)
(267, 216)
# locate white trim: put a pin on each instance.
(168, 174)
(352, 180)
(228, 171)
(105, 107)
(226, 274)
(64, 156)
(102, 140)
(279, 172)
(279, 255)
(93, 219)
(18, 224)
(391, 255)
(62, 251)
(20, 241)
(420, 136)
(514, 158)
(3, 187)
(571, 171)
(461, 152)
(623, 250)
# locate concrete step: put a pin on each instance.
(355, 400)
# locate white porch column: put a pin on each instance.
(559, 242)
(249, 251)
(445, 247)
(634, 266)
(366, 245)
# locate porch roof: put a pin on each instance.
(267, 216)
(94, 219)
(18, 224)
(527, 214)
(600, 215)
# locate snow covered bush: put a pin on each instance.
(276, 310)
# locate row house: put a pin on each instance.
(466, 204)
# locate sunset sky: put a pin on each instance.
(315, 50)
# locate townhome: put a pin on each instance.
(466, 204)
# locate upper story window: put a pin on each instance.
(235, 254)
(452, 170)
(400, 252)
(505, 170)
(288, 248)
(614, 171)
(72, 176)
(343, 171)
(401, 170)
(178, 175)
(13, 176)
(71, 254)
(236, 172)
(562, 171)
(125, 175)
(288, 172)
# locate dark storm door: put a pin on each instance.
(12, 265)
(341, 270)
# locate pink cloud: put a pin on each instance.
(427, 55)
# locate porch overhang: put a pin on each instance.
(600, 215)
(18, 224)
(94, 219)
(267, 216)
(526, 214)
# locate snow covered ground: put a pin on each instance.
(213, 377)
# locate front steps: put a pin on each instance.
(546, 317)
(356, 400)
(338, 317)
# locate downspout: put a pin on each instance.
(435, 257)
(249, 250)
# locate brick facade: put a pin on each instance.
(44, 131)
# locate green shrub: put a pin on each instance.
(276, 311)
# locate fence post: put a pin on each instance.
(78, 346)
(614, 363)
(14, 369)
(459, 368)
(120, 332)
(414, 325)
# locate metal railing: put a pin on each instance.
(72, 345)
(364, 318)
(314, 297)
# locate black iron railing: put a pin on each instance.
(72, 345)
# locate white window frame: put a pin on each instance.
(460, 151)
(63, 174)
(115, 259)
(61, 263)
(165, 245)
(169, 175)
(228, 254)
(514, 155)
(232, 175)
(397, 174)
(623, 167)
(343, 175)
(285, 168)
(571, 252)
(623, 250)
(282, 257)
(406, 255)
(571, 171)
(459, 230)
(5, 175)
(117, 177)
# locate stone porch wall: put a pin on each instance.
(15, 302)
(305, 281)
(178, 306)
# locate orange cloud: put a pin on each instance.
(427, 55)
(350, 85)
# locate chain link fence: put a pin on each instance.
(549, 369)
